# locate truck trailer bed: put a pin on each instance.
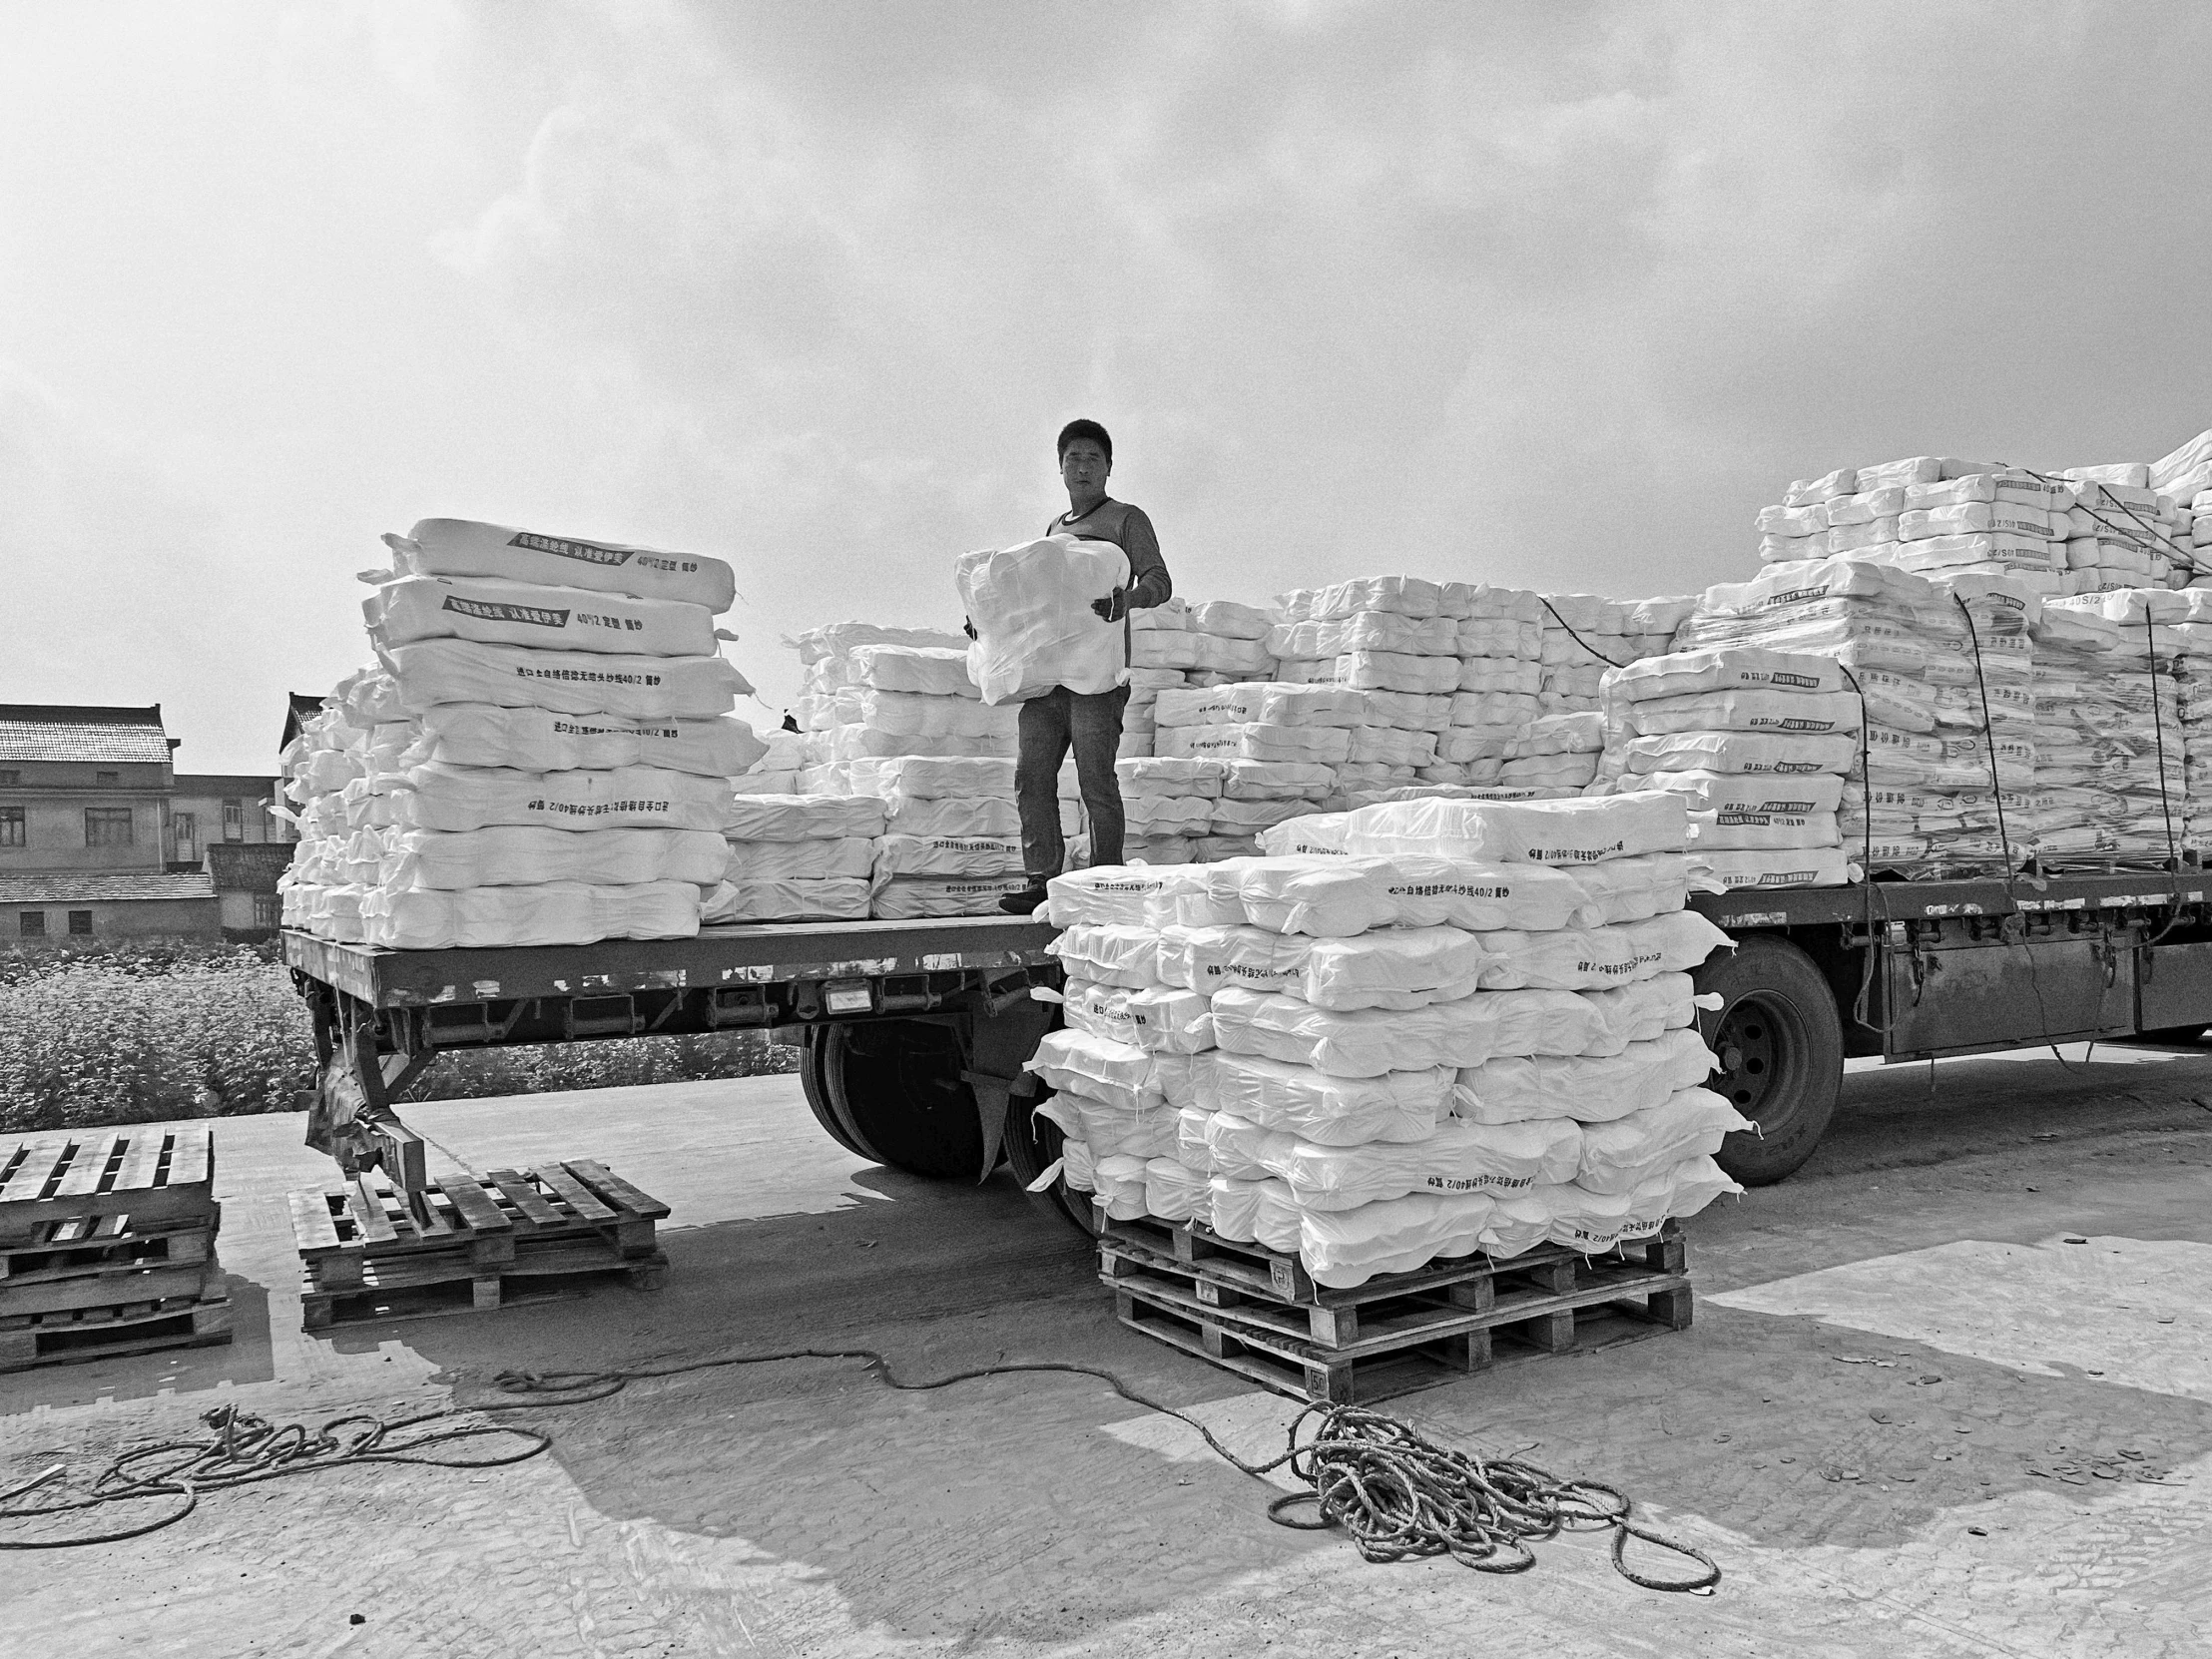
(762, 954)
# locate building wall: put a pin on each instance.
(250, 915)
(137, 919)
(223, 809)
(54, 825)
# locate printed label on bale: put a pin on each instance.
(538, 615)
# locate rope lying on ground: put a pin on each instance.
(1396, 1494)
(245, 1450)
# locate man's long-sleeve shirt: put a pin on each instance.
(1130, 530)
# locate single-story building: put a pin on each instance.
(67, 907)
(245, 875)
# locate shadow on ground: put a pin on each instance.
(170, 1371)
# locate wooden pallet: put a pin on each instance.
(158, 1178)
(1228, 1303)
(368, 1251)
(200, 1317)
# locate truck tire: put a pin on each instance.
(897, 1088)
(1781, 1045)
(814, 1082)
(1032, 1147)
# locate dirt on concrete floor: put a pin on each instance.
(1912, 1418)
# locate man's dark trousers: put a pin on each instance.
(1050, 723)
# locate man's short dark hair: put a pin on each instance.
(1086, 429)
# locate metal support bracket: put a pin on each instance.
(352, 1118)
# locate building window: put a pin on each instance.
(11, 778)
(31, 924)
(80, 921)
(107, 778)
(188, 836)
(268, 909)
(108, 827)
(11, 826)
(234, 820)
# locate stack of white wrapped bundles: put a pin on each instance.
(1945, 674)
(1500, 641)
(1757, 743)
(569, 743)
(2112, 725)
(950, 842)
(904, 700)
(335, 866)
(1394, 637)
(1178, 644)
(798, 857)
(1234, 761)
(840, 717)
(2122, 533)
(2083, 530)
(1584, 635)
(1472, 1031)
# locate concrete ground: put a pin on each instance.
(1948, 1394)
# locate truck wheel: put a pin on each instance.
(897, 1088)
(1781, 1047)
(814, 1082)
(1032, 1146)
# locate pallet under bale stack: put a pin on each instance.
(370, 1251)
(107, 1245)
(1351, 1117)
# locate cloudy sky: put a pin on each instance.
(1554, 294)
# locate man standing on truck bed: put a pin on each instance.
(1090, 723)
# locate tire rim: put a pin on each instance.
(1762, 1043)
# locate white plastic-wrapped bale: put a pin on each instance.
(1774, 827)
(1303, 1051)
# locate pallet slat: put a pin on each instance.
(31, 1166)
(312, 1228)
(475, 1206)
(87, 1169)
(578, 1197)
(525, 1199)
(616, 1191)
(140, 1163)
(368, 1211)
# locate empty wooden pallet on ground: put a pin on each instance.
(367, 1252)
(107, 1245)
(1257, 1311)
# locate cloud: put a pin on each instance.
(1547, 293)
(124, 587)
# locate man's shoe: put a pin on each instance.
(1024, 903)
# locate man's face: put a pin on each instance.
(1084, 467)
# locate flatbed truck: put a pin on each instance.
(914, 1034)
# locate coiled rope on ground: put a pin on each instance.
(245, 1450)
(1395, 1493)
